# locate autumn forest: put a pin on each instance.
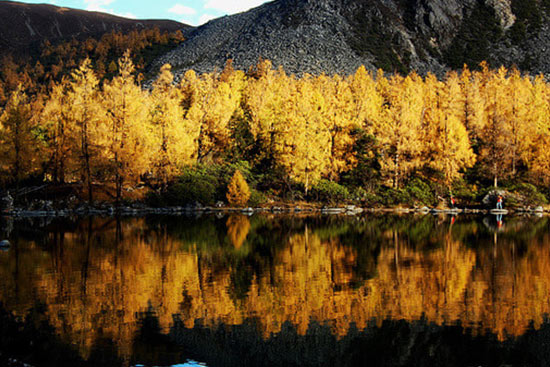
(102, 122)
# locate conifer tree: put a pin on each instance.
(448, 146)
(88, 120)
(339, 118)
(174, 145)
(129, 141)
(539, 152)
(268, 98)
(304, 147)
(238, 191)
(56, 121)
(494, 133)
(398, 131)
(518, 117)
(214, 101)
(18, 143)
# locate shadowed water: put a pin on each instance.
(277, 291)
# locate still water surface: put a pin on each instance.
(277, 291)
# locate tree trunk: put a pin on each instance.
(396, 178)
(307, 183)
(85, 148)
(17, 163)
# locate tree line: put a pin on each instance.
(372, 126)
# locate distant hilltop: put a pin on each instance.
(24, 25)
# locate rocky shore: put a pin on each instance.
(197, 209)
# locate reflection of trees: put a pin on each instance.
(101, 280)
(237, 229)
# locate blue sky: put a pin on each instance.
(194, 12)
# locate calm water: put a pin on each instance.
(277, 291)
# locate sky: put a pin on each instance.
(192, 12)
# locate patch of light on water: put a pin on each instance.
(186, 364)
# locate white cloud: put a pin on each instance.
(100, 5)
(180, 9)
(97, 5)
(206, 17)
(188, 21)
(231, 7)
(125, 15)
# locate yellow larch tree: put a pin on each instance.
(475, 112)
(215, 98)
(229, 86)
(56, 121)
(495, 134)
(448, 146)
(130, 142)
(304, 148)
(519, 105)
(368, 101)
(267, 98)
(89, 121)
(190, 90)
(174, 145)
(18, 143)
(339, 117)
(539, 157)
(398, 131)
(238, 191)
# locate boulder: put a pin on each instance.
(491, 198)
(6, 203)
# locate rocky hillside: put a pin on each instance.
(23, 25)
(337, 36)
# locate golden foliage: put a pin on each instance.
(237, 229)
(238, 191)
(18, 151)
(305, 128)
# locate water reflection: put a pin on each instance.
(160, 291)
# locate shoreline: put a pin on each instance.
(348, 210)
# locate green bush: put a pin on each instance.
(421, 193)
(201, 183)
(530, 194)
(465, 194)
(256, 198)
(359, 194)
(193, 187)
(329, 192)
(390, 197)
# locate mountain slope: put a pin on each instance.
(336, 36)
(23, 25)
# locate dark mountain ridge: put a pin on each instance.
(24, 25)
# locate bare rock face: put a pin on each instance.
(503, 10)
(337, 36)
(301, 36)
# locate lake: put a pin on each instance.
(275, 290)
